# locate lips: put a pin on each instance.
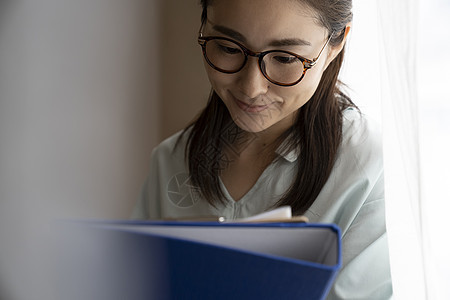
(250, 108)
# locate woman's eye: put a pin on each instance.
(229, 50)
(285, 59)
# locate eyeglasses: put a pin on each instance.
(280, 67)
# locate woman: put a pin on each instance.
(278, 130)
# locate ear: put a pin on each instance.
(335, 50)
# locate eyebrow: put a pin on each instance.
(230, 32)
(290, 42)
(275, 43)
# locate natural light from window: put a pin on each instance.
(362, 74)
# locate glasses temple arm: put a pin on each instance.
(311, 63)
(200, 30)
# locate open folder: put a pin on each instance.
(196, 260)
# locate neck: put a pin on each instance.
(270, 135)
(264, 142)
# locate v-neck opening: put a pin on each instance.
(251, 191)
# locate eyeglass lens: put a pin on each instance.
(278, 66)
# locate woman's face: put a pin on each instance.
(254, 103)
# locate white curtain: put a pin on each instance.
(433, 65)
(401, 149)
(401, 48)
(415, 188)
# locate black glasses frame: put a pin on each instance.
(307, 63)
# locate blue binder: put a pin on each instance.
(187, 260)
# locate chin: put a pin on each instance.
(249, 124)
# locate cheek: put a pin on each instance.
(217, 79)
(299, 94)
(309, 84)
(312, 77)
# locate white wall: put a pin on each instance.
(78, 119)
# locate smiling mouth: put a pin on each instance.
(250, 108)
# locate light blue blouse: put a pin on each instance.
(352, 198)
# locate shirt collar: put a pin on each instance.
(290, 156)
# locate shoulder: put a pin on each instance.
(172, 146)
(357, 175)
(360, 130)
(361, 140)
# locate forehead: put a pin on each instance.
(260, 21)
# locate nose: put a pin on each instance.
(251, 81)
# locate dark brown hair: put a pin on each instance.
(316, 134)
